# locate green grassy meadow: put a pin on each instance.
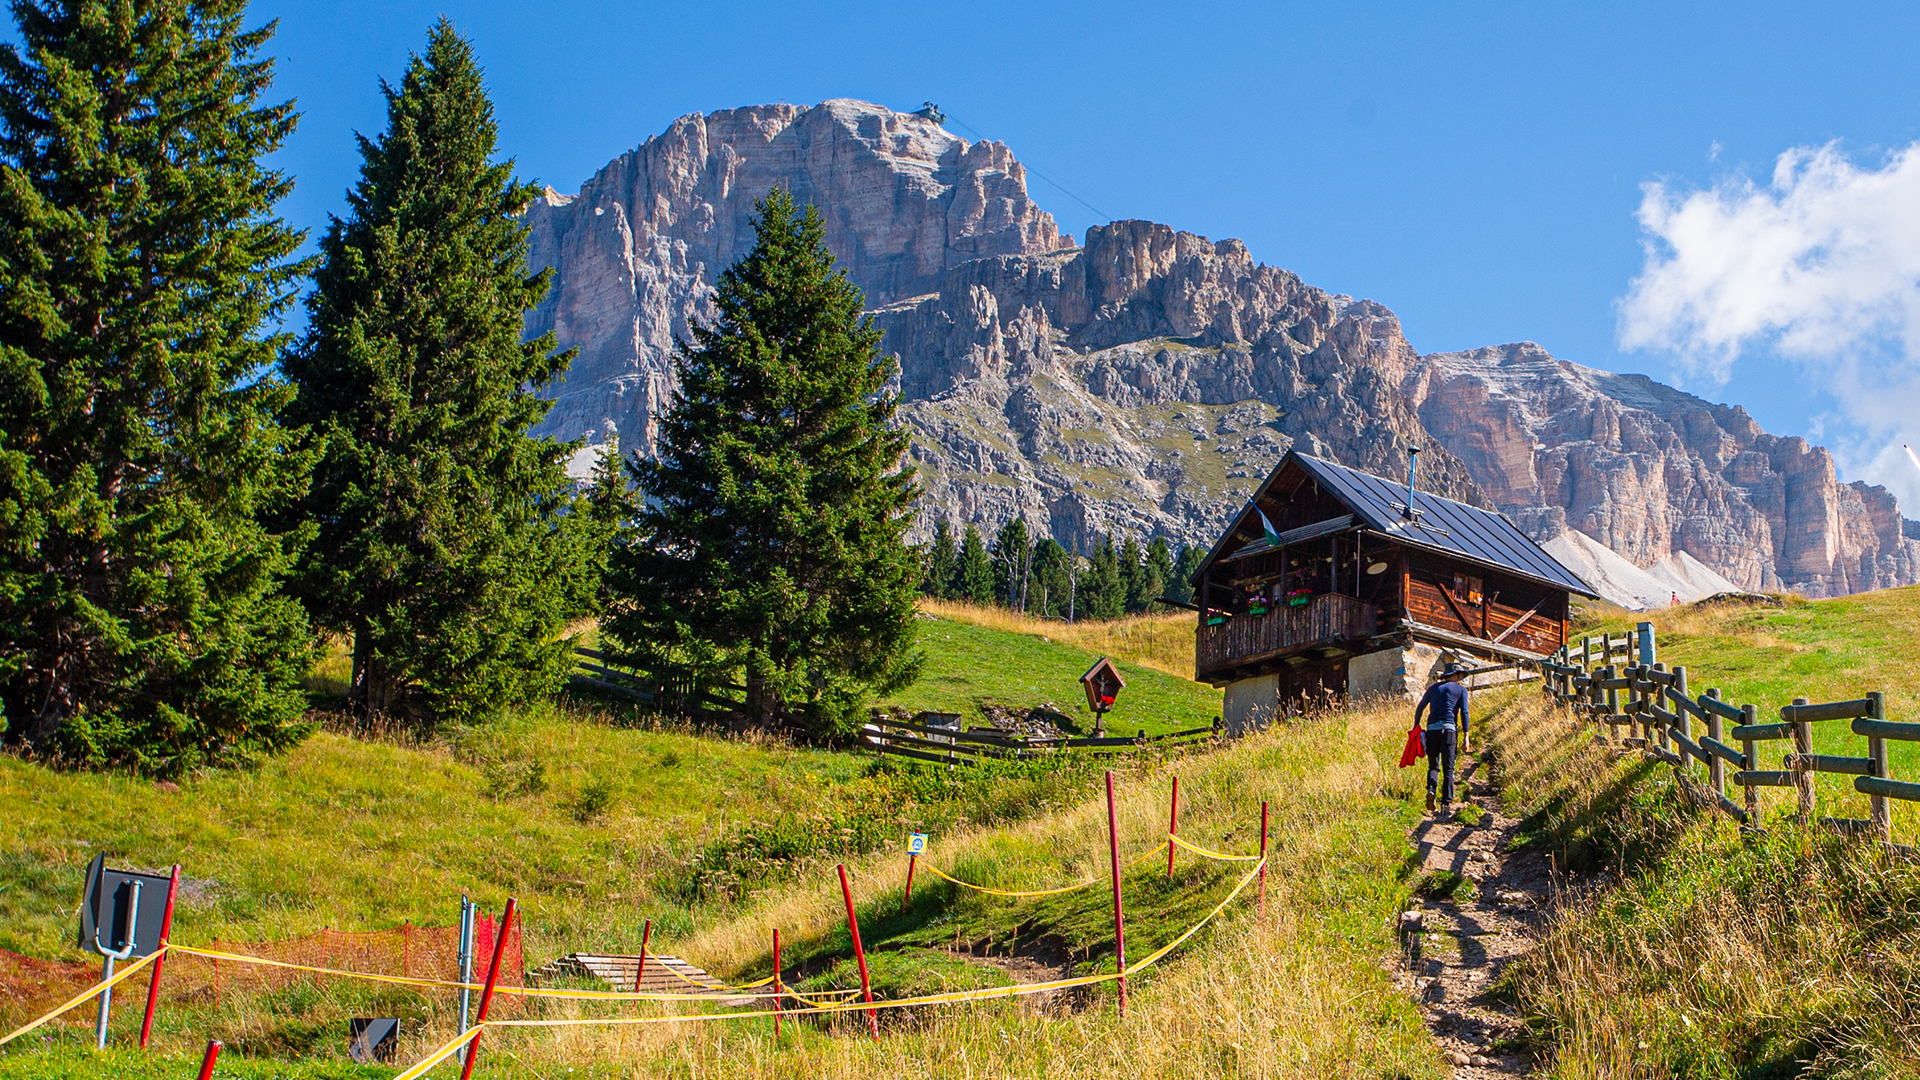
(1824, 650)
(968, 662)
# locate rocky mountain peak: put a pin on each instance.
(1145, 381)
(636, 251)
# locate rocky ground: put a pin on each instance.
(1454, 948)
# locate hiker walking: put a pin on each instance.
(1445, 706)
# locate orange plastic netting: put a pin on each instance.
(29, 986)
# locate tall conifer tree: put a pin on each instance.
(1159, 570)
(772, 548)
(1012, 558)
(973, 574)
(442, 548)
(140, 622)
(1103, 595)
(941, 563)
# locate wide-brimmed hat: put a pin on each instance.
(1455, 668)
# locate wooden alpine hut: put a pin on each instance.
(1336, 582)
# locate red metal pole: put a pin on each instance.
(153, 984)
(908, 899)
(1263, 855)
(1119, 921)
(859, 954)
(206, 1063)
(493, 976)
(777, 988)
(646, 935)
(1173, 823)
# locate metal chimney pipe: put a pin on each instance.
(1413, 471)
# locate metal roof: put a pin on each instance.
(1442, 525)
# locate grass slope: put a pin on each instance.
(1703, 952)
(976, 654)
(353, 833)
(1300, 993)
(1823, 650)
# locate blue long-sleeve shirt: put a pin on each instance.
(1443, 702)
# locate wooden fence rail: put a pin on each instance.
(919, 741)
(1656, 714)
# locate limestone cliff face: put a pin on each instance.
(1148, 379)
(1650, 472)
(1144, 383)
(635, 253)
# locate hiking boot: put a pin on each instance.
(1429, 802)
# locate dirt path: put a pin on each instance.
(1454, 949)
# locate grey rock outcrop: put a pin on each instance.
(635, 253)
(1145, 381)
(1651, 471)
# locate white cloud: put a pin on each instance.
(1821, 265)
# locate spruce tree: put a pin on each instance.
(443, 547)
(1134, 578)
(973, 573)
(1011, 559)
(140, 619)
(603, 522)
(1102, 593)
(1159, 570)
(1180, 585)
(937, 582)
(1051, 587)
(773, 548)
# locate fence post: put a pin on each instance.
(1877, 750)
(1646, 643)
(1802, 779)
(1173, 824)
(1749, 716)
(777, 990)
(212, 1055)
(859, 954)
(486, 995)
(1119, 919)
(1263, 858)
(1686, 718)
(1611, 694)
(640, 972)
(166, 929)
(1716, 766)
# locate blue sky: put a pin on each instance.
(1476, 167)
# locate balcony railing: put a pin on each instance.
(1252, 637)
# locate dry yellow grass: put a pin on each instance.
(1161, 642)
(1301, 994)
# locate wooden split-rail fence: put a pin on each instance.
(593, 668)
(1648, 707)
(928, 737)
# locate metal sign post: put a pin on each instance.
(466, 961)
(127, 909)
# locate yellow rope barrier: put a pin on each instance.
(1095, 880)
(526, 991)
(953, 997)
(1204, 853)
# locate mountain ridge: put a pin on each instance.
(1144, 380)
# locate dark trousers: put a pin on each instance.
(1440, 750)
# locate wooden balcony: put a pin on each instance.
(1248, 638)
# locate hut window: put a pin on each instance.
(1466, 589)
